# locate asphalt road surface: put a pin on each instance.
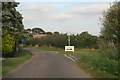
(47, 64)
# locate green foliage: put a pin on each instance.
(107, 59)
(34, 41)
(51, 40)
(56, 32)
(96, 73)
(98, 61)
(61, 40)
(45, 48)
(38, 31)
(7, 45)
(108, 41)
(11, 19)
(49, 33)
(12, 28)
(111, 23)
(107, 49)
(85, 40)
(11, 63)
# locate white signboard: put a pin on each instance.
(69, 48)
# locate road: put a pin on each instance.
(47, 64)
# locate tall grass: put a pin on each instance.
(98, 61)
(105, 60)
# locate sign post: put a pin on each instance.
(69, 48)
(69, 40)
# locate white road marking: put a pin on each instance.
(73, 57)
(69, 57)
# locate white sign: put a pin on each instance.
(69, 48)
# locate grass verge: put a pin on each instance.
(95, 73)
(61, 51)
(98, 65)
(11, 63)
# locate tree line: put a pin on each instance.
(83, 40)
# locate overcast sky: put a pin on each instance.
(74, 17)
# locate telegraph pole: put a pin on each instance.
(69, 40)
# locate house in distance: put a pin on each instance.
(39, 35)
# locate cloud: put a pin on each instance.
(40, 12)
(83, 11)
(89, 10)
(63, 16)
(40, 8)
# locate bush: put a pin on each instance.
(99, 62)
(108, 49)
(56, 40)
(7, 45)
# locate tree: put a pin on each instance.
(111, 23)
(110, 32)
(38, 31)
(29, 30)
(12, 26)
(85, 40)
(11, 19)
(74, 41)
(56, 32)
(49, 33)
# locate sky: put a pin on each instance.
(64, 16)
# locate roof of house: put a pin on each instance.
(39, 35)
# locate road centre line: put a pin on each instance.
(69, 57)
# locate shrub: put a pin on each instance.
(108, 50)
(7, 45)
(56, 40)
(100, 62)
